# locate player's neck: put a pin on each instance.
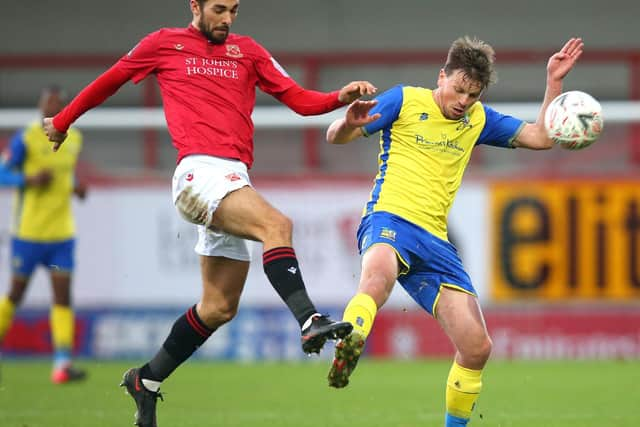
(437, 99)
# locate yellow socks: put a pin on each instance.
(360, 312)
(463, 388)
(7, 309)
(62, 328)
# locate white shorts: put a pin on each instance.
(199, 184)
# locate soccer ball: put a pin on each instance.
(574, 120)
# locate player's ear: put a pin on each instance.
(195, 7)
(442, 75)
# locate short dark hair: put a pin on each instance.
(53, 89)
(474, 58)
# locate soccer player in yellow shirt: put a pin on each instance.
(43, 227)
(426, 141)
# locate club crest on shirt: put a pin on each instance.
(387, 233)
(464, 123)
(233, 50)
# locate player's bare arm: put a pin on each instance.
(349, 128)
(533, 135)
(355, 90)
(80, 190)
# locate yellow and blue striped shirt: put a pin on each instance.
(423, 154)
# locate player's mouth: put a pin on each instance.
(457, 111)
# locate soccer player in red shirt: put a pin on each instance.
(207, 77)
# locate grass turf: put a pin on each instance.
(382, 393)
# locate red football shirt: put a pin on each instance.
(208, 90)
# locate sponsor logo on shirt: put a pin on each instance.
(233, 50)
(213, 67)
(189, 177)
(444, 145)
(179, 46)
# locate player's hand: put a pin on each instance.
(357, 114)
(54, 134)
(355, 90)
(80, 190)
(563, 61)
(40, 179)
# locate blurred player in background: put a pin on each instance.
(43, 226)
(207, 78)
(426, 141)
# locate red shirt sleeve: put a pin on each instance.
(91, 96)
(309, 102)
(142, 59)
(135, 65)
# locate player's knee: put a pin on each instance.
(16, 300)
(378, 287)
(484, 350)
(479, 352)
(16, 297)
(476, 352)
(278, 227)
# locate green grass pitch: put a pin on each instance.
(381, 393)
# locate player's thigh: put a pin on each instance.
(223, 280)
(246, 213)
(461, 318)
(60, 262)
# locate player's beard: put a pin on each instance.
(209, 33)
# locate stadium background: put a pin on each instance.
(550, 239)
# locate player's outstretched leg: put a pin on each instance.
(348, 351)
(282, 269)
(145, 399)
(318, 329)
(360, 312)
